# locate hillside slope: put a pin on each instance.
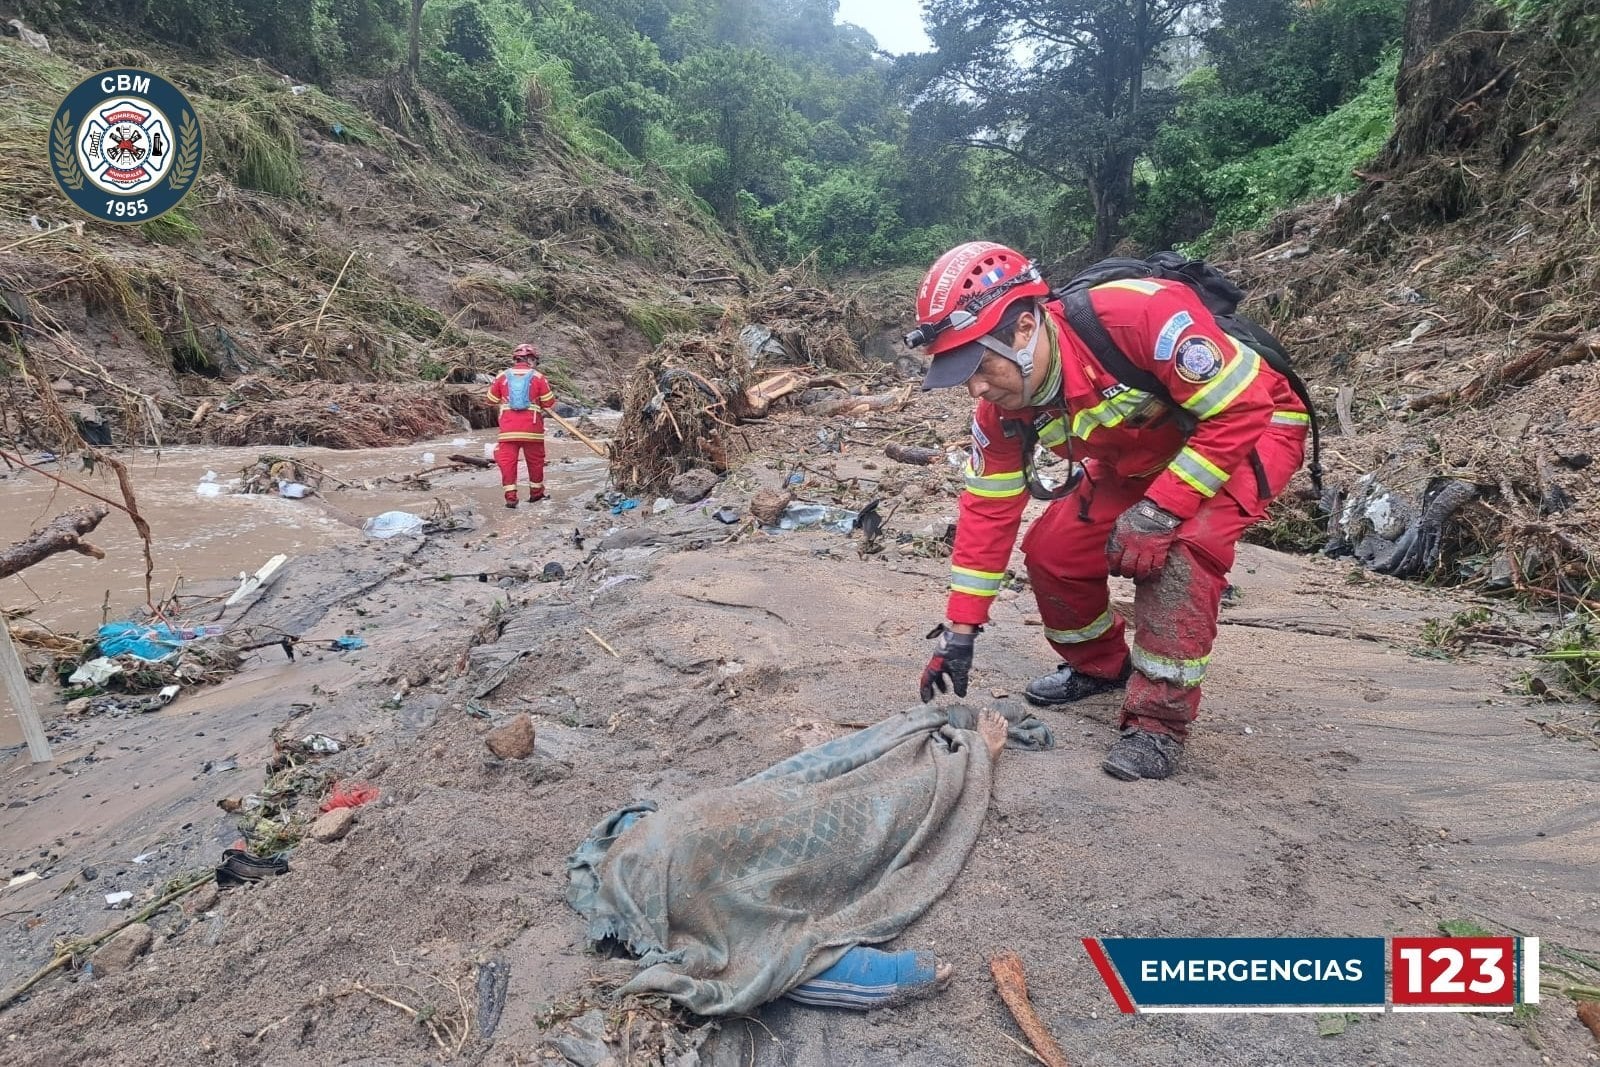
(322, 244)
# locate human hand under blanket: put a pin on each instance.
(1140, 539)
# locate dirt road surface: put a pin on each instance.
(1337, 784)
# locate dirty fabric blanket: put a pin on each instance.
(734, 896)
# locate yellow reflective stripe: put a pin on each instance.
(548, 396)
(1138, 285)
(994, 486)
(1185, 672)
(1198, 471)
(1108, 413)
(519, 435)
(976, 583)
(1054, 433)
(1290, 418)
(1225, 388)
(1098, 628)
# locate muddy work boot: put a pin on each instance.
(511, 502)
(1142, 754)
(1066, 685)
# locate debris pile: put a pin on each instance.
(323, 414)
(1445, 315)
(685, 401)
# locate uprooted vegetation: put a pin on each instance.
(324, 245)
(686, 399)
(1447, 313)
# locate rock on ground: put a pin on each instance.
(512, 740)
(692, 485)
(332, 825)
(120, 953)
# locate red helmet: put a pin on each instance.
(964, 297)
(526, 352)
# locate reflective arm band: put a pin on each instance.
(1290, 418)
(975, 583)
(1224, 389)
(1198, 472)
(995, 486)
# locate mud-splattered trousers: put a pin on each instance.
(1245, 441)
(521, 431)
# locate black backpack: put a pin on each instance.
(1220, 296)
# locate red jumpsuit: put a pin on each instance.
(522, 432)
(1248, 440)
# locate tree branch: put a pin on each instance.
(63, 534)
(1020, 157)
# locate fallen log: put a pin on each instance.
(472, 461)
(63, 534)
(1013, 986)
(912, 454)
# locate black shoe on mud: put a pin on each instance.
(512, 504)
(1142, 754)
(1066, 685)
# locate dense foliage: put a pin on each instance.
(1058, 125)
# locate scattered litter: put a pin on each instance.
(347, 644)
(459, 442)
(350, 796)
(95, 672)
(800, 516)
(488, 450)
(427, 459)
(726, 516)
(210, 489)
(393, 524)
(625, 504)
(117, 900)
(661, 504)
(249, 583)
(294, 490)
(797, 478)
(217, 767)
(145, 857)
(321, 743)
(23, 879)
(299, 90)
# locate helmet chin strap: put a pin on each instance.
(1022, 357)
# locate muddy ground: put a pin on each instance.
(1338, 783)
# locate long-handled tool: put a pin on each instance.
(574, 431)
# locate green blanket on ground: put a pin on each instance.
(736, 895)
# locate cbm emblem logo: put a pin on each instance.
(125, 146)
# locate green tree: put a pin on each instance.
(736, 99)
(1057, 85)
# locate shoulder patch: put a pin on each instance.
(975, 461)
(1167, 341)
(978, 435)
(1198, 360)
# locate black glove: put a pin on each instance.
(952, 658)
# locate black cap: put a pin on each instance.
(953, 367)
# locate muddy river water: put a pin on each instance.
(203, 532)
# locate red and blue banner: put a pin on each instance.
(1317, 974)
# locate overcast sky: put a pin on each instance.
(897, 24)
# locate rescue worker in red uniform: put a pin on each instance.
(1161, 496)
(523, 396)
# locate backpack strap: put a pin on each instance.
(1085, 322)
